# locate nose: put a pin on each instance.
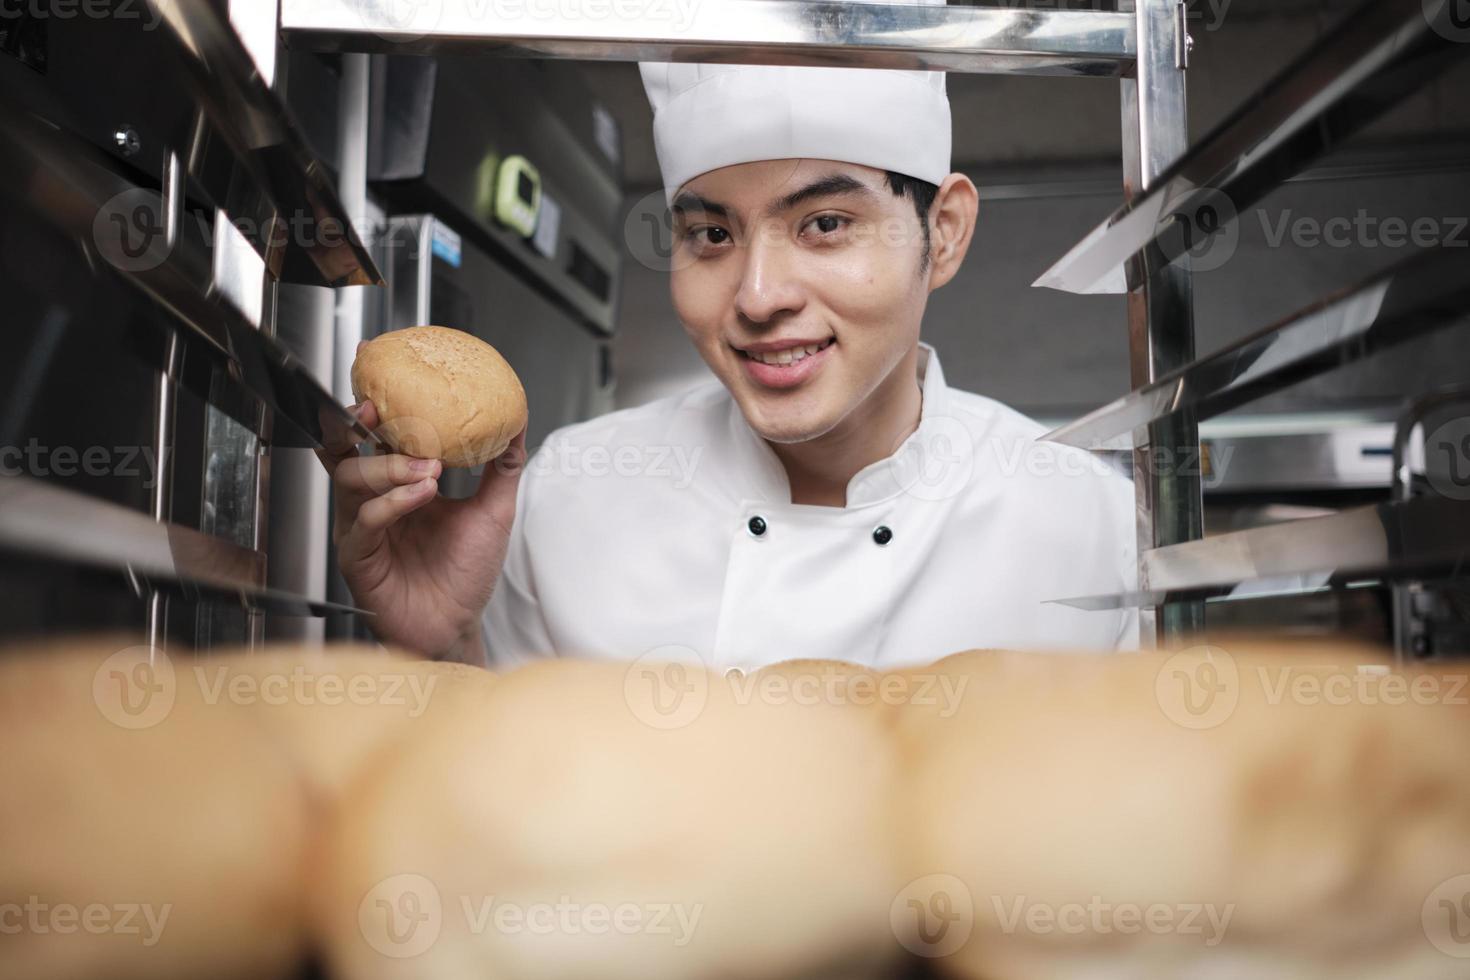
(769, 282)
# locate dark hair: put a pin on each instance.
(923, 193)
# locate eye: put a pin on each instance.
(828, 224)
(718, 235)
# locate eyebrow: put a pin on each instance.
(828, 186)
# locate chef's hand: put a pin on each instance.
(425, 564)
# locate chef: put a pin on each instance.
(826, 493)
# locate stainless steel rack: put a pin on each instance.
(1426, 292)
(42, 520)
(245, 111)
(68, 185)
(1380, 53)
(240, 153)
(1175, 197)
(1416, 540)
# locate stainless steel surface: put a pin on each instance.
(40, 519)
(237, 272)
(1183, 43)
(1295, 453)
(63, 180)
(255, 21)
(1160, 310)
(1347, 457)
(1378, 54)
(1428, 621)
(1420, 539)
(163, 448)
(301, 493)
(312, 239)
(236, 486)
(410, 268)
(440, 138)
(350, 306)
(788, 32)
(164, 402)
(1426, 292)
(1414, 416)
(352, 137)
(318, 325)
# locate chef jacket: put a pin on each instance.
(667, 531)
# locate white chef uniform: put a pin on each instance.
(634, 537)
(668, 530)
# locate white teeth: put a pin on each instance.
(789, 356)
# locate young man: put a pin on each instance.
(827, 494)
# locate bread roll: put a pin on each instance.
(440, 394)
(1266, 810)
(334, 709)
(147, 833)
(587, 824)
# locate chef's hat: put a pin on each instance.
(707, 116)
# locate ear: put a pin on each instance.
(953, 218)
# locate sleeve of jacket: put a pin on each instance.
(513, 626)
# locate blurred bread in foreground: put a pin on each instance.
(1245, 809)
(147, 833)
(618, 821)
(1248, 808)
(334, 709)
(440, 394)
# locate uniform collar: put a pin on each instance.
(759, 475)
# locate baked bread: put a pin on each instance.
(334, 709)
(567, 830)
(1264, 810)
(148, 834)
(440, 394)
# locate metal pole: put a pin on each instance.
(1161, 306)
(352, 139)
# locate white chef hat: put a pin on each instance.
(707, 116)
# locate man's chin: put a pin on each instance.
(784, 419)
(788, 431)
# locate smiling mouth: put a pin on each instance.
(792, 355)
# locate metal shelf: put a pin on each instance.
(261, 132)
(1378, 55)
(70, 185)
(774, 32)
(40, 519)
(1426, 292)
(1424, 538)
(1145, 48)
